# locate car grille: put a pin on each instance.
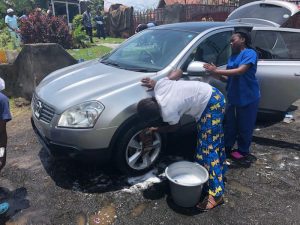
(41, 110)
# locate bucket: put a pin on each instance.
(186, 181)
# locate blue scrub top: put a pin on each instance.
(4, 108)
(243, 89)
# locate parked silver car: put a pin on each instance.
(90, 107)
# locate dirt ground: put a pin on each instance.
(43, 191)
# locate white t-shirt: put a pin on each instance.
(181, 97)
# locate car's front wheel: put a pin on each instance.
(131, 156)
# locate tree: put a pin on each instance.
(20, 5)
(96, 4)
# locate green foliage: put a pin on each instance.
(20, 5)
(77, 21)
(2, 24)
(95, 5)
(5, 39)
(79, 35)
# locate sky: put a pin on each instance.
(137, 4)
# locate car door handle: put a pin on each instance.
(297, 74)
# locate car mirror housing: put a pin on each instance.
(196, 68)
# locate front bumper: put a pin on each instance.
(58, 149)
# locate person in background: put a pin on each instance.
(5, 116)
(87, 23)
(49, 13)
(11, 22)
(151, 24)
(243, 96)
(143, 26)
(140, 27)
(24, 15)
(173, 98)
(100, 25)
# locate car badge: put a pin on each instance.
(38, 109)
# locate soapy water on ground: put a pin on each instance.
(154, 176)
(143, 182)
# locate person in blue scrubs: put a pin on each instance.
(243, 96)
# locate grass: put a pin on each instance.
(16, 111)
(96, 50)
(93, 52)
(109, 40)
(89, 53)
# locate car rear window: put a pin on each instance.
(274, 45)
(263, 11)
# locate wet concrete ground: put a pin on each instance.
(43, 191)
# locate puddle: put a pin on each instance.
(238, 187)
(105, 216)
(81, 219)
(29, 217)
(19, 221)
(138, 210)
(17, 202)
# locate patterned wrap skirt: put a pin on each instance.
(210, 151)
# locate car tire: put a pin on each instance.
(130, 158)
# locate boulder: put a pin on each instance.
(34, 62)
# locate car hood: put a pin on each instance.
(83, 82)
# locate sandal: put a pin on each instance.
(236, 155)
(4, 207)
(240, 159)
(210, 202)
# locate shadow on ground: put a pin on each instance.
(90, 177)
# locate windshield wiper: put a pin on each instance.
(110, 63)
(136, 69)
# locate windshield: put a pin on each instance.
(150, 50)
(263, 11)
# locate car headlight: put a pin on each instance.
(83, 115)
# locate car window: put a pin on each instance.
(213, 49)
(273, 45)
(150, 49)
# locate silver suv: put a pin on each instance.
(90, 107)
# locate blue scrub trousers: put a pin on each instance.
(239, 126)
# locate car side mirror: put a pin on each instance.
(196, 68)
